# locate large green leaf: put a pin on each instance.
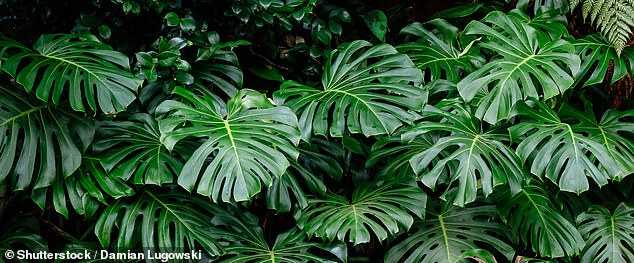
(165, 221)
(439, 55)
(38, 142)
(480, 157)
(377, 211)
(609, 236)
(568, 153)
(247, 243)
(391, 155)
(614, 132)
(133, 148)
(532, 215)
(597, 58)
(85, 190)
(306, 175)
(92, 72)
(19, 234)
(549, 16)
(447, 235)
(369, 90)
(529, 65)
(249, 141)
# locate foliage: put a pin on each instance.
(168, 221)
(250, 140)
(613, 18)
(471, 156)
(538, 223)
(448, 234)
(316, 131)
(607, 233)
(381, 211)
(353, 88)
(530, 65)
(91, 70)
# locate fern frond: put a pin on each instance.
(613, 18)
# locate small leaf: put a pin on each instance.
(104, 31)
(184, 78)
(172, 19)
(188, 24)
(377, 23)
(269, 73)
(144, 59)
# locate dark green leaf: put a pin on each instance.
(531, 65)
(377, 23)
(91, 71)
(38, 142)
(269, 73)
(532, 216)
(480, 157)
(564, 151)
(188, 24)
(380, 211)
(609, 236)
(445, 236)
(133, 149)
(172, 19)
(144, 59)
(249, 141)
(306, 175)
(184, 78)
(371, 93)
(166, 222)
(597, 58)
(438, 56)
(104, 31)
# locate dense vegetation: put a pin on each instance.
(319, 131)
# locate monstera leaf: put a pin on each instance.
(134, 148)
(480, 157)
(392, 155)
(38, 142)
(369, 90)
(306, 175)
(530, 65)
(168, 221)
(609, 236)
(532, 216)
(92, 72)
(377, 211)
(247, 243)
(549, 16)
(564, 151)
(86, 190)
(438, 55)
(447, 235)
(597, 56)
(249, 141)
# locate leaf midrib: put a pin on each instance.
(76, 65)
(9, 120)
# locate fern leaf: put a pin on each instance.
(613, 18)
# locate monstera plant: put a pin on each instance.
(479, 135)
